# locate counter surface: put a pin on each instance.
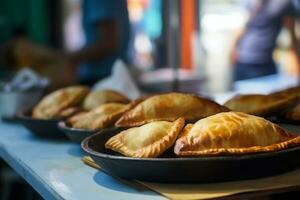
(54, 168)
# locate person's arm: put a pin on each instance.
(233, 47)
(289, 23)
(105, 45)
(237, 35)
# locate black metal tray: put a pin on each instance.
(40, 127)
(170, 169)
(74, 134)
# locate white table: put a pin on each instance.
(55, 170)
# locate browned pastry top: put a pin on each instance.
(99, 97)
(233, 133)
(100, 117)
(169, 107)
(259, 104)
(54, 103)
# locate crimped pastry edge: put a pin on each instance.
(154, 150)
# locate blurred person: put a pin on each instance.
(107, 33)
(252, 52)
(21, 52)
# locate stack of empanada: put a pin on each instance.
(227, 133)
(61, 103)
(169, 107)
(81, 108)
(100, 109)
(103, 116)
(157, 121)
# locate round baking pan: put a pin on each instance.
(171, 169)
(74, 134)
(40, 127)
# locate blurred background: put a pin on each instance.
(174, 45)
(193, 36)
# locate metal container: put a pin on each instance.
(14, 101)
(19, 91)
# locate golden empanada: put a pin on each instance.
(288, 91)
(169, 107)
(73, 119)
(233, 133)
(99, 97)
(292, 113)
(259, 104)
(101, 117)
(147, 141)
(52, 104)
(68, 112)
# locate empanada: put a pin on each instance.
(52, 104)
(147, 141)
(292, 113)
(73, 119)
(233, 133)
(169, 107)
(259, 104)
(101, 117)
(288, 91)
(68, 112)
(99, 97)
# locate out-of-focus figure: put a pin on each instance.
(21, 52)
(107, 33)
(252, 52)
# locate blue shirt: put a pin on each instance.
(94, 11)
(259, 40)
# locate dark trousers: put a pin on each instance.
(245, 70)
